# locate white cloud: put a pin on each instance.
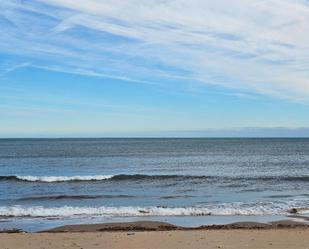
(258, 46)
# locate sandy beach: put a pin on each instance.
(248, 238)
(161, 235)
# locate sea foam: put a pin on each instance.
(63, 178)
(131, 211)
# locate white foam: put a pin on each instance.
(64, 178)
(69, 211)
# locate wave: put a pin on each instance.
(107, 211)
(72, 197)
(120, 177)
(176, 196)
(56, 178)
(136, 177)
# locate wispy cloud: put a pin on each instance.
(83, 72)
(252, 46)
(7, 68)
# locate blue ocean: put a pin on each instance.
(187, 181)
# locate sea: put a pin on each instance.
(185, 181)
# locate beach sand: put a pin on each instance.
(247, 238)
(154, 235)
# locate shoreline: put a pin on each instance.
(163, 226)
(182, 222)
(148, 225)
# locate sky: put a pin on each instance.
(74, 68)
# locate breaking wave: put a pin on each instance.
(122, 211)
(56, 178)
(136, 177)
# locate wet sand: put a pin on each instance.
(162, 235)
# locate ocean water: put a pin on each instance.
(47, 182)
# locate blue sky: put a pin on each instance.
(155, 67)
